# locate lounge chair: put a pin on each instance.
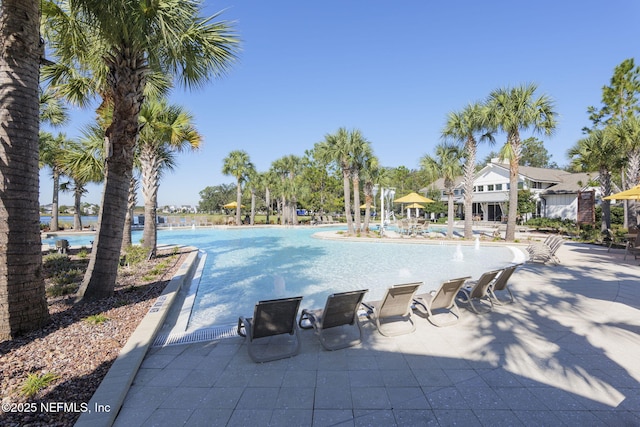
(476, 291)
(394, 309)
(340, 311)
(545, 251)
(271, 320)
(441, 302)
(633, 247)
(500, 284)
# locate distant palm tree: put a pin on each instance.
(447, 165)
(512, 110)
(464, 126)
(166, 129)
(598, 152)
(55, 113)
(83, 162)
(361, 151)
(370, 174)
(287, 168)
(238, 165)
(338, 148)
(627, 136)
(52, 150)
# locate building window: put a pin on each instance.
(480, 188)
(490, 187)
(498, 187)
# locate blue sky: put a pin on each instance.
(391, 69)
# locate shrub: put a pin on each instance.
(67, 277)
(57, 262)
(60, 290)
(96, 319)
(135, 255)
(34, 383)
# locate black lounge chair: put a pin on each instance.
(394, 309)
(266, 331)
(340, 310)
(477, 291)
(441, 302)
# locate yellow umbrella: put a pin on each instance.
(232, 205)
(630, 194)
(415, 206)
(413, 198)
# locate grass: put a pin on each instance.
(96, 319)
(36, 382)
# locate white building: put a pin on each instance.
(555, 191)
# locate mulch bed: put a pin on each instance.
(79, 353)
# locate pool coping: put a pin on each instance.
(105, 404)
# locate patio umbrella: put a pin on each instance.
(630, 194)
(232, 205)
(413, 198)
(415, 206)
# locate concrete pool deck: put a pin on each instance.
(565, 354)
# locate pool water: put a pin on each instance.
(246, 265)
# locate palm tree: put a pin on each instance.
(23, 304)
(512, 110)
(598, 152)
(447, 165)
(166, 129)
(336, 148)
(51, 151)
(627, 136)
(53, 112)
(463, 127)
(238, 165)
(83, 162)
(370, 174)
(287, 168)
(124, 45)
(361, 151)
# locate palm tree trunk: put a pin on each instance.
(469, 172)
(54, 223)
(347, 200)
(238, 202)
(267, 199)
(77, 197)
(253, 206)
(150, 166)
(368, 198)
(128, 220)
(450, 214)
(356, 200)
(514, 141)
(23, 305)
(127, 79)
(605, 183)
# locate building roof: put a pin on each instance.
(535, 174)
(562, 182)
(571, 183)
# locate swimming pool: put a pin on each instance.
(246, 265)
